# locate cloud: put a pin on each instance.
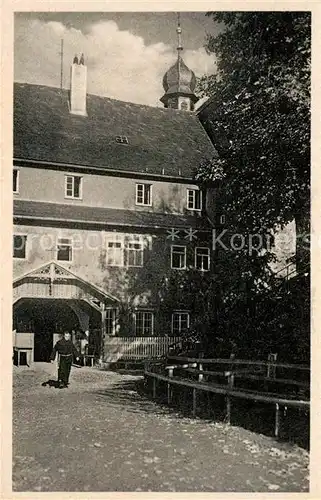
(120, 64)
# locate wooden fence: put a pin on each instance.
(228, 377)
(136, 348)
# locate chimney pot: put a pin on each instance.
(78, 87)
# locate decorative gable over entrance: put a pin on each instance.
(54, 281)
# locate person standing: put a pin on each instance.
(66, 350)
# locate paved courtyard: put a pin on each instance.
(100, 434)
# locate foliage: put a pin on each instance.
(258, 118)
(190, 290)
(212, 170)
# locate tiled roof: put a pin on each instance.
(55, 212)
(161, 141)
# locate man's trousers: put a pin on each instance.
(65, 363)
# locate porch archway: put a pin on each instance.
(52, 299)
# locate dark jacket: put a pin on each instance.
(64, 347)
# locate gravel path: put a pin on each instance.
(101, 435)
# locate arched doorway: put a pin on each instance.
(49, 318)
(44, 318)
(51, 299)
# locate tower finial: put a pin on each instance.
(179, 81)
(179, 32)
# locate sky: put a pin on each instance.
(126, 53)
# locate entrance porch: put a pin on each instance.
(51, 300)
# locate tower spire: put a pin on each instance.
(179, 81)
(179, 34)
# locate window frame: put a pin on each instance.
(17, 170)
(121, 243)
(178, 268)
(193, 190)
(150, 194)
(144, 311)
(208, 256)
(24, 235)
(126, 250)
(113, 319)
(69, 245)
(180, 330)
(73, 197)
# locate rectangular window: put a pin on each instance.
(134, 254)
(19, 246)
(114, 253)
(178, 257)
(15, 180)
(202, 258)
(180, 323)
(110, 321)
(73, 186)
(144, 194)
(194, 199)
(64, 249)
(144, 324)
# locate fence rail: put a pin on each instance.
(136, 348)
(233, 361)
(179, 374)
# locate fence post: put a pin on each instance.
(154, 387)
(271, 370)
(277, 420)
(169, 389)
(228, 397)
(194, 402)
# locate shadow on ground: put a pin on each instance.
(258, 418)
(131, 394)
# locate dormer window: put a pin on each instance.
(121, 139)
(73, 186)
(144, 194)
(15, 180)
(194, 199)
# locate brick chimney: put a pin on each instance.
(78, 87)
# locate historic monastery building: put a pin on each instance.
(104, 205)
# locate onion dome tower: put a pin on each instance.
(179, 81)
